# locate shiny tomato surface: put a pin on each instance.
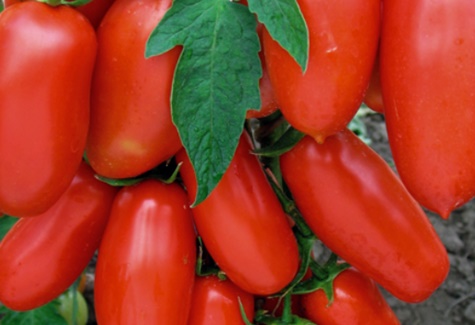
(131, 127)
(427, 77)
(216, 301)
(358, 207)
(243, 226)
(146, 262)
(41, 256)
(93, 10)
(356, 301)
(343, 37)
(46, 57)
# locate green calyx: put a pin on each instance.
(72, 3)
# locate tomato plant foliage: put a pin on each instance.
(217, 76)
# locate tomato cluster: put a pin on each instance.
(90, 157)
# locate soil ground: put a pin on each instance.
(454, 302)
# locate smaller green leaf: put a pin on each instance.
(286, 142)
(73, 3)
(286, 24)
(118, 182)
(1, 6)
(46, 314)
(6, 223)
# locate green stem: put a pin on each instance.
(287, 309)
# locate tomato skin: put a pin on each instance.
(42, 256)
(243, 225)
(215, 301)
(357, 206)
(357, 301)
(373, 96)
(46, 58)
(343, 41)
(131, 127)
(93, 11)
(427, 76)
(146, 261)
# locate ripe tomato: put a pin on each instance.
(42, 256)
(131, 127)
(357, 206)
(357, 301)
(373, 96)
(146, 261)
(243, 225)
(343, 41)
(216, 301)
(94, 10)
(427, 78)
(46, 58)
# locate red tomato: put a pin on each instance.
(268, 102)
(42, 256)
(243, 225)
(357, 301)
(427, 77)
(131, 127)
(46, 58)
(373, 96)
(146, 263)
(217, 301)
(94, 10)
(343, 38)
(357, 206)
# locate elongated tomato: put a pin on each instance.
(357, 206)
(343, 37)
(46, 61)
(427, 78)
(146, 262)
(216, 301)
(41, 256)
(243, 226)
(131, 127)
(356, 301)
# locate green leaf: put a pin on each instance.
(1, 6)
(285, 23)
(6, 222)
(216, 80)
(46, 314)
(285, 143)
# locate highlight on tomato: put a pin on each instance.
(47, 56)
(146, 262)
